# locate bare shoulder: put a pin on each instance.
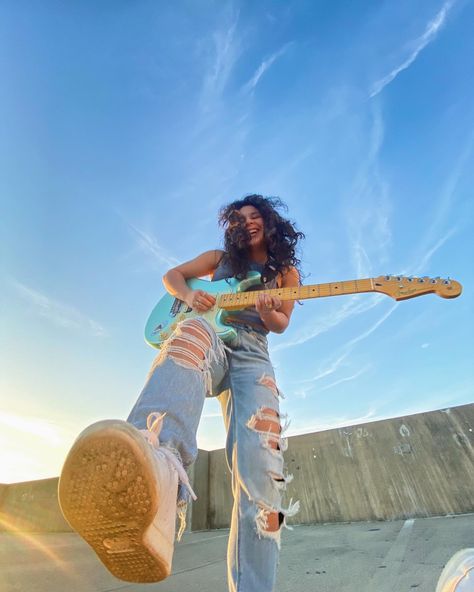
(219, 254)
(290, 277)
(203, 264)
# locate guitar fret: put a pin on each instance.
(243, 299)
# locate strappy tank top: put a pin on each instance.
(247, 316)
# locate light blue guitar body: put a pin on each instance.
(170, 310)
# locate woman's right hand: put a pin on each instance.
(200, 301)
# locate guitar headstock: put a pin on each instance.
(401, 288)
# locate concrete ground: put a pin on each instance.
(398, 556)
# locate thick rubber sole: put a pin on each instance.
(107, 493)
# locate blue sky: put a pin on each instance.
(125, 125)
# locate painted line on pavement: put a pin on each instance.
(393, 560)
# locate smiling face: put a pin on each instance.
(253, 222)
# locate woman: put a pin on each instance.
(119, 485)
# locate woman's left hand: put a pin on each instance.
(266, 303)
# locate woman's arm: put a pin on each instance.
(174, 280)
(274, 313)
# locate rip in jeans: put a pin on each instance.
(269, 382)
(190, 346)
(270, 521)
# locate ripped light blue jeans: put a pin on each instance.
(193, 364)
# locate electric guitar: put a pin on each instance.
(231, 294)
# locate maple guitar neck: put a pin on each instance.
(399, 288)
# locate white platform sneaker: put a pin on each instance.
(118, 490)
(458, 573)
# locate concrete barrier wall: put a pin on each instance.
(32, 506)
(198, 511)
(220, 490)
(419, 465)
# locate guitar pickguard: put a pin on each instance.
(177, 307)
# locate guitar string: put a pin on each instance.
(297, 293)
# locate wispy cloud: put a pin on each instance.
(444, 204)
(276, 178)
(370, 233)
(367, 208)
(303, 387)
(422, 264)
(57, 312)
(149, 244)
(346, 378)
(315, 327)
(431, 241)
(360, 258)
(431, 30)
(443, 207)
(350, 344)
(431, 399)
(264, 66)
(326, 369)
(335, 422)
(353, 306)
(224, 54)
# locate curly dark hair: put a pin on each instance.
(280, 234)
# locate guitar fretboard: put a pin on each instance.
(230, 301)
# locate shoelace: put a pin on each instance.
(154, 423)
